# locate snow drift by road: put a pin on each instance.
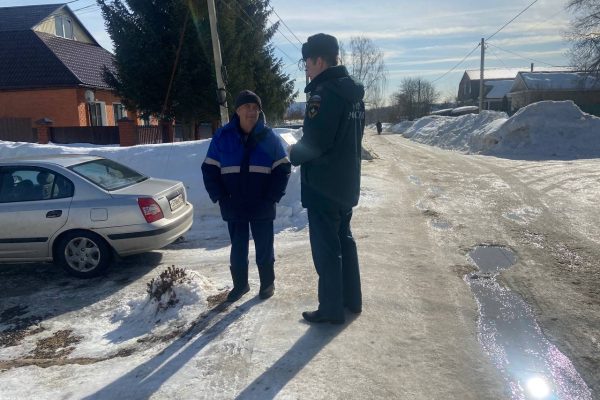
(548, 129)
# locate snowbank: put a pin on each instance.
(180, 161)
(548, 129)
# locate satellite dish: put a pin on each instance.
(89, 96)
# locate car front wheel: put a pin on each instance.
(83, 254)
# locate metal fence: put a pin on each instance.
(17, 130)
(85, 134)
(150, 134)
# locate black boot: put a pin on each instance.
(266, 274)
(237, 292)
(240, 283)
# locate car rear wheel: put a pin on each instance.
(83, 254)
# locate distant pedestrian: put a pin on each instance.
(246, 170)
(329, 153)
(379, 127)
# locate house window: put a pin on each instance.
(119, 112)
(64, 27)
(97, 113)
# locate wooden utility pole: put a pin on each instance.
(481, 74)
(221, 90)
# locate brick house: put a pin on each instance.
(51, 67)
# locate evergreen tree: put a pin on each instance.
(146, 36)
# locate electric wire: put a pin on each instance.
(509, 22)
(521, 56)
(459, 63)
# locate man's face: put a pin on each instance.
(248, 114)
(314, 66)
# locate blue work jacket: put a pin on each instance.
(246, 174)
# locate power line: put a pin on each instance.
(460, 62)
(516, 16)
(252, 22)
(499, 59)
(288, 28)
(519, 55)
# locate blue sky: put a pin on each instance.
(419, 38)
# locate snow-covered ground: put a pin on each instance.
(116, 321)
(544, 130)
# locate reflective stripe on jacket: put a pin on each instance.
(246, 175)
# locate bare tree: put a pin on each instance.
(414, 98)
(585, 34)
(364, 61)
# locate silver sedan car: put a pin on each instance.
(81, 210)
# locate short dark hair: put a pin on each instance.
(321, 45)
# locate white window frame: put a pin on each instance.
(102, 106)
(64, 27)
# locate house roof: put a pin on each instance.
(494, 73)
(25, 17)
(499, 88)
(508, 73)
(555, 81)
(30, 59)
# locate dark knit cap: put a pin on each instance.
(245, 97)
(320, 45)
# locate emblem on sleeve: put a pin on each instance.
(314, 103)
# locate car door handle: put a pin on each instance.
(54, 214)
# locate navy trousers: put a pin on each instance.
(336, 260)
(262, 232)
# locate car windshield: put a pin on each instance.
(107, 174)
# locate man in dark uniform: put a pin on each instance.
(246, 170)
(329, 153)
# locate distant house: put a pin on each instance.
(497, 85)
(531, 87)
(51, 67)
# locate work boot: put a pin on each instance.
(237, 292)
(266, 292)
(317, 318)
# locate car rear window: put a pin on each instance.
(108, 174)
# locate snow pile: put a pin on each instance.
(546, 129)
(179, 161)
(181, 300)
(401, 127)
(457, 133)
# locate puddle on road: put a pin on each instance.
(440, 224)
(415, 180)
(532, 366)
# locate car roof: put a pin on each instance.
(64, 160)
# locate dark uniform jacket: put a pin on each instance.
(247, 176)
(330, 149)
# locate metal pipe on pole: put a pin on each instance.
(481, 74)
(221, 90)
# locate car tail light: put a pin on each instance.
(150, 209)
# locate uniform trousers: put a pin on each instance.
(336, 260)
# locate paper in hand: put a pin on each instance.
(288, 138)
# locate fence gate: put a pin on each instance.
(17, 130)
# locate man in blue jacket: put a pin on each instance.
(247, 170)
(330, 154)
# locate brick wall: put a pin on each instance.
(66, 107)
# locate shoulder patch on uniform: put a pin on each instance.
(312, 108)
